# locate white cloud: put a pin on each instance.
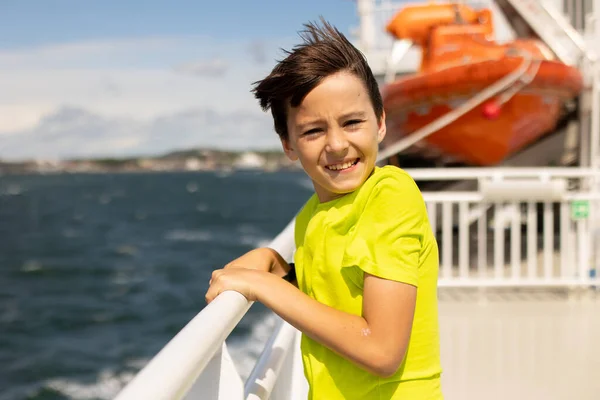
(258, 51)
(124, 90)
(211, 68)
(90, 53)
(74, 132)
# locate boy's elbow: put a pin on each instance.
(386, 365)
(385, 371)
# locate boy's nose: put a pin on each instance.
(336, 142)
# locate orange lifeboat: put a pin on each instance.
(460, 59)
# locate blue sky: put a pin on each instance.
(118, 78)
(28, 22)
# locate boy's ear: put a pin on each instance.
(382, 128)
(289, 149)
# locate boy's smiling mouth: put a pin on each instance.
(343, 165)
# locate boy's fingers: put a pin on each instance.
(210, 295)
(214, 276)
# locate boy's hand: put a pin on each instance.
(260, 259)
(241, 280)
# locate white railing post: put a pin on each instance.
(595, 117)
(220, 380)
(278, 374)
(292, 384)
(367, 24)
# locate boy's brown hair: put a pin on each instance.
(325, 51)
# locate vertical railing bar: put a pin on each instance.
(573, 250)
(447, 240)
(548, 240)
(432, 214)
(498, 241)
(482, 240)
(515, 241)
(565, 256)
(463, 240)
(582, 239)
(532, 240)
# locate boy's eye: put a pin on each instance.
(353, 122)
(311, 131)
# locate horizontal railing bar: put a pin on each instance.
(452, 197)
(423, 174)
(173, 371)
(476, 282)
(475, 197)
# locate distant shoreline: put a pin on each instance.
(195, 160)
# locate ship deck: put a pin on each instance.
(520, 344)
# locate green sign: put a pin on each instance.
(580, 209)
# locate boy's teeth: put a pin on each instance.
(338, 167)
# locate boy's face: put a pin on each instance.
(335, 134)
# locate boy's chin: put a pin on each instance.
(340, 190)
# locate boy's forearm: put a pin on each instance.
(346, 334)
(279, 266)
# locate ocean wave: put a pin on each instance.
(202, 207)
(107, 386)
(182, 235)
(11, 190)
(254, 241)
(192, 187)
(244, 350)
(31, 266)
(251, 238)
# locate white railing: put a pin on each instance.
(522, 227)
(195, 364)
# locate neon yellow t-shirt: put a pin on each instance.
(381, 228)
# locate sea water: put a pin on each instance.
(99, 271)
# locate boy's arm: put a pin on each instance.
(262, 259)
(279, 266)
(376, 341)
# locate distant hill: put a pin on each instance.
(186, 159)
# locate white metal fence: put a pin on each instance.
(522, 227)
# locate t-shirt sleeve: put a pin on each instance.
(388, 236)
(301, 222)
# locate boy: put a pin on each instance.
(366, 261)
